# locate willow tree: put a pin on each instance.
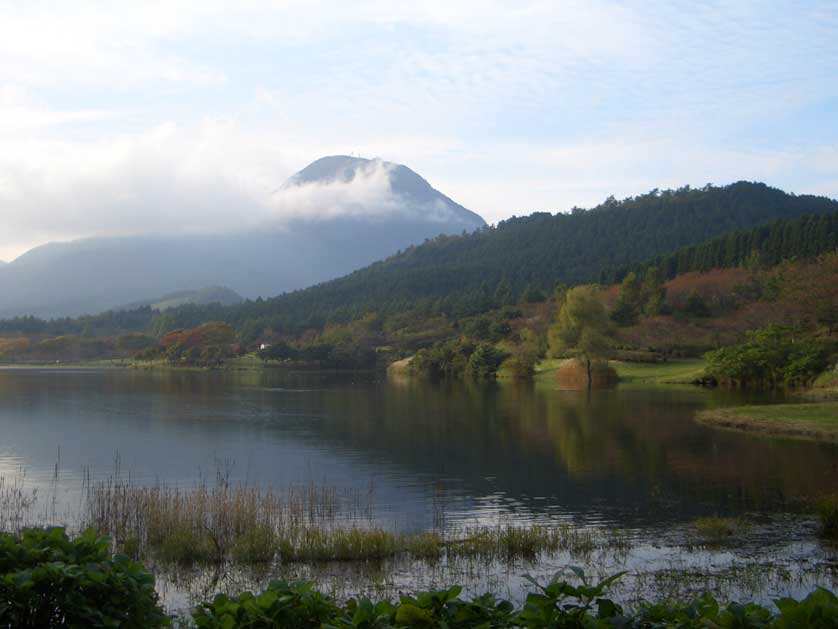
(583, 327)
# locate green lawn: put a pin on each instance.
(673, 372)
(681, 371)
(817, 421)
(547, 368)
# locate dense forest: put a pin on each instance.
(766, 245)
(521, 260)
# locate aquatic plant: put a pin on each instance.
(16, 503)
(716, 530)
(828, 515)
(248, 525)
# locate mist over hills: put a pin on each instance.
(338, 214)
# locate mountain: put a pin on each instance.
(413, 191)
(462, 275)
(336, 215)
(211, 295)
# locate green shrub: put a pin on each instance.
(771, 357)
(48, 580)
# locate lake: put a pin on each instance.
(630, 457)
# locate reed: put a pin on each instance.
(249, 525)
(220, 522)
(717, 530)
(828, 515)
(16, 503)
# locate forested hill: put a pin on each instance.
(462, 275)
(457, 274)
(764, 246)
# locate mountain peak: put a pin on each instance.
(332, 168)
(407, 188)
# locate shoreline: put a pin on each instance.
(809, 421)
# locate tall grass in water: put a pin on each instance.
(16, 504)
(222, 522)
(828, 515)
(209, 522)
(249, 525)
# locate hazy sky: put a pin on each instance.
(188, 115)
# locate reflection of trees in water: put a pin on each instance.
(635, 448)
(626, 446)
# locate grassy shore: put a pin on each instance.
(813, 421)
(680, 371)
(825, 387)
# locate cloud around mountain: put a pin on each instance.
(341, 186)
(337, 215)
(205, 178)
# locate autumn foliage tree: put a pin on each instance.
(207, 344)
(583, 328)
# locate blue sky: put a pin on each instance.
(131, 117)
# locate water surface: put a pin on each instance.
(629, 457)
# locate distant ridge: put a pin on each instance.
(211, 295)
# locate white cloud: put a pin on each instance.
(119, 118)
(207, 177)
(368, 193)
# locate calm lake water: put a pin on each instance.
(629, 462)
(630, 457)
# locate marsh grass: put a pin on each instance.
(827, 508)
(221, 522)
(16, 503)
(209, 523)
(717, 530)
(248, 525)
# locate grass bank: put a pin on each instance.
(825, 386)
(680, 371)
(813, 421)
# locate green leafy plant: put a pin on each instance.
(49, 580)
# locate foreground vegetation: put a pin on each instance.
(817, 421)
(49, 580)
